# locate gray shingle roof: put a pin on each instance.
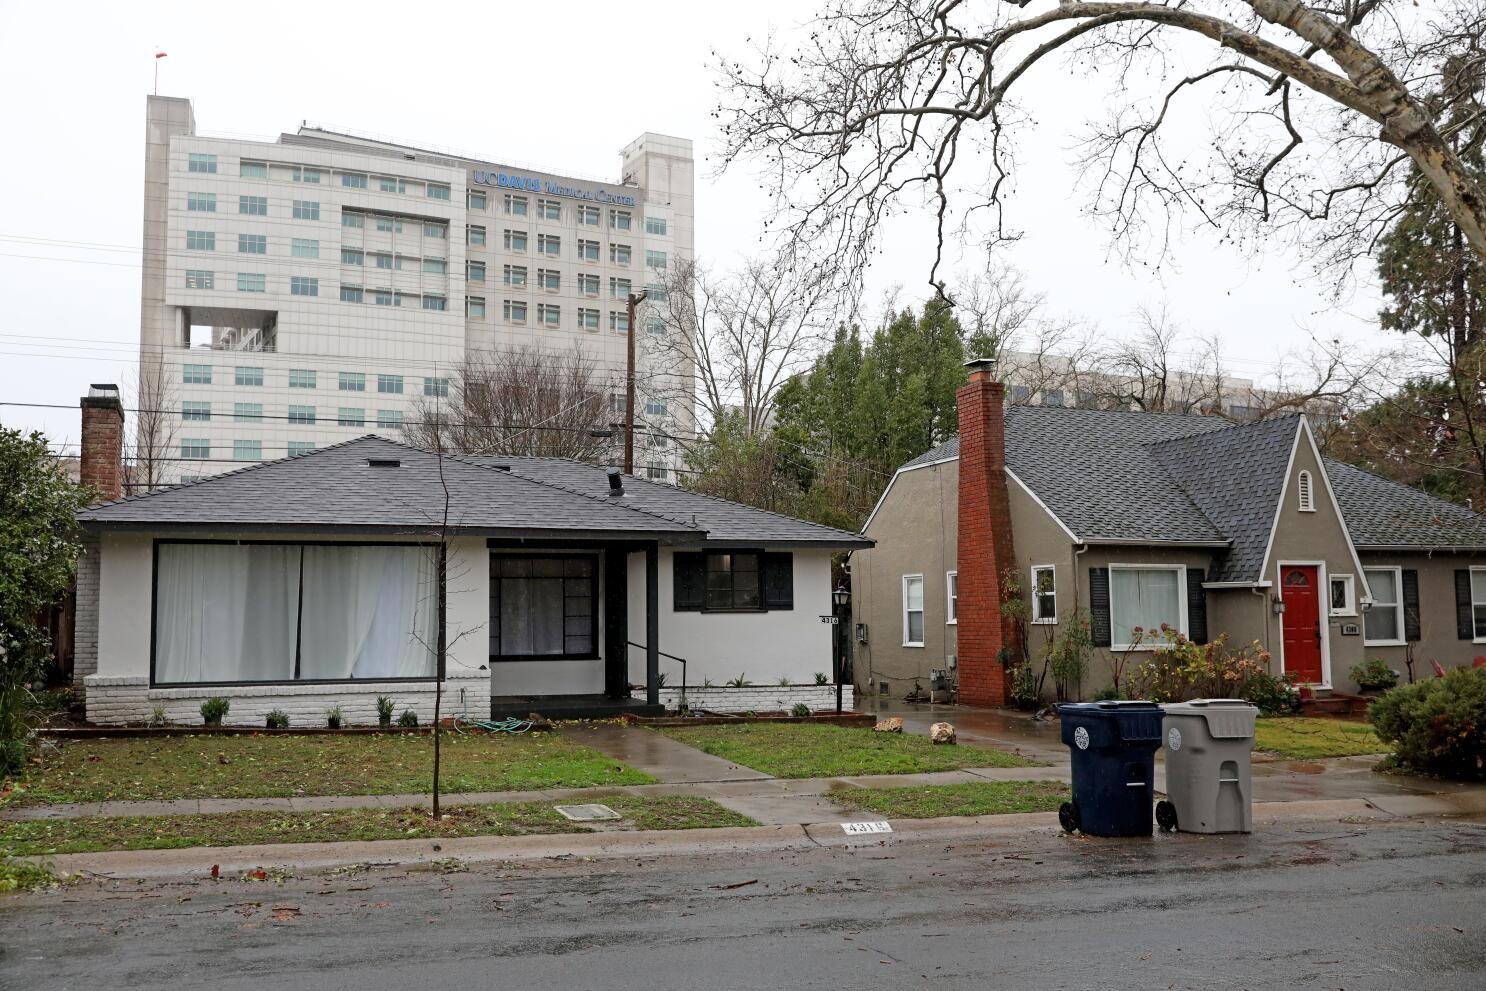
(724, 521)
(1235, 476)
(1094, 469)
(1383, 513)
(335, 488)
(1163, 477)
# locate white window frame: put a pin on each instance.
(952, 598)
(1037, 618)
(1181, 601)
(906, 610)
(1397, 608)
(1475, 635)
(1305, 491)
(1349, 608)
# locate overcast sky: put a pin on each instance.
(561, 86)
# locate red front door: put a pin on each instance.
(1301, 621)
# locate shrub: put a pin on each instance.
(1437, 726)
(1024, 694)
(1108, 693)
(157, 717)
(384, 711)
(15, 720)
(821, 678)
(1066, 656)
(800, 709)
(1180, 670)
(783, 682)
(408, 718)
(213, 709)
(278, 719)
(739, 682)
(333, 717)
(1273, 696)
(1374, 674)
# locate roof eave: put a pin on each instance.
(389, 529)
(1422, 548)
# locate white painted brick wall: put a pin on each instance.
(760, 698)
(85, 616)
(116, 701)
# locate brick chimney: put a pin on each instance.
(985, 547)
(102, 461)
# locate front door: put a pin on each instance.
(1301, 621)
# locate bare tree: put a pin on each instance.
(1322, 117)
(147, 457)
(733, 338)
(523, 401)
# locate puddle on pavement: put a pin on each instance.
(1305, 767)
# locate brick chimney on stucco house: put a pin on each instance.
(102, 462)
(985, 552)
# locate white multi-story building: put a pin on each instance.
(306, 291)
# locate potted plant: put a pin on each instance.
(384, 711)
(213, 709)
(278, 719)
(333, 717)
(1374, 677)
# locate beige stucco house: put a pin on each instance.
(1135, 519)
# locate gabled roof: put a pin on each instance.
(1236, 476)
(338, 488)
(1114, 476)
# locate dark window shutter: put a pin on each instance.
(1465, 627)
(1099, 606)
(688, 581)
(1410, 605)
(779, 581)
(1196, 605)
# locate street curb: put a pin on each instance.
(197, 862)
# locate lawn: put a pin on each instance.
(269, 765)
(93, 833)
(802, 750)
(1311, 737)
(983, 798)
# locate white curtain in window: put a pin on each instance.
(225, 612)
(531, 608)
(369, 612)
(1145, 599)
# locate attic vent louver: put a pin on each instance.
(384, 462)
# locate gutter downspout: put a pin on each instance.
(1079, 550)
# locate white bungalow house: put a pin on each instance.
(312, 582)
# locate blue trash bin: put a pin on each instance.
(1114, 748)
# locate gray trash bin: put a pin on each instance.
(1207, 743)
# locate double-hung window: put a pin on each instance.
(515, 275)
(515, 205)
(475, 199)
(588, 319)
(1145, 597)
(549, 279)
(515, 240)
(549, 210)
(549, 314)
(474, 271)
(588, 216)
(514, 310)
(913, 610)
(475, 235)
(1044, 594)
(588, 250)
(588, 284)
(1382, 623)
(619, 288)
(952, 597)
(549, 244)
(619, 220)
(1478, 604)
(619, 254)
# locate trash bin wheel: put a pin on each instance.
(1068, 817)
(1166, 816)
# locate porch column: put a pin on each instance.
(616, 621)
(652, 624)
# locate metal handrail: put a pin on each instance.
(680, 660)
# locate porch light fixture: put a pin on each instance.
(841, 596)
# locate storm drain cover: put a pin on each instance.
(587, 813)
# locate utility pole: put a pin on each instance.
(635, 299)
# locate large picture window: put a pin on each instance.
(733, 581)
(543, 606)
(244, 613)
(1145, 597)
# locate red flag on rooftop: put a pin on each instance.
(159, 55)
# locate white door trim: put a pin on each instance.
(1323, 619)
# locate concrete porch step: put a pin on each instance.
(570, 706)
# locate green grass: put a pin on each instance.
(271, 765)
(1311, 737)
(95, 833)
(982, 798)
(18, 876)
(801, 750)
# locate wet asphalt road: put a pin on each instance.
(1308, 905)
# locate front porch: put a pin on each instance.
(571, 706)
